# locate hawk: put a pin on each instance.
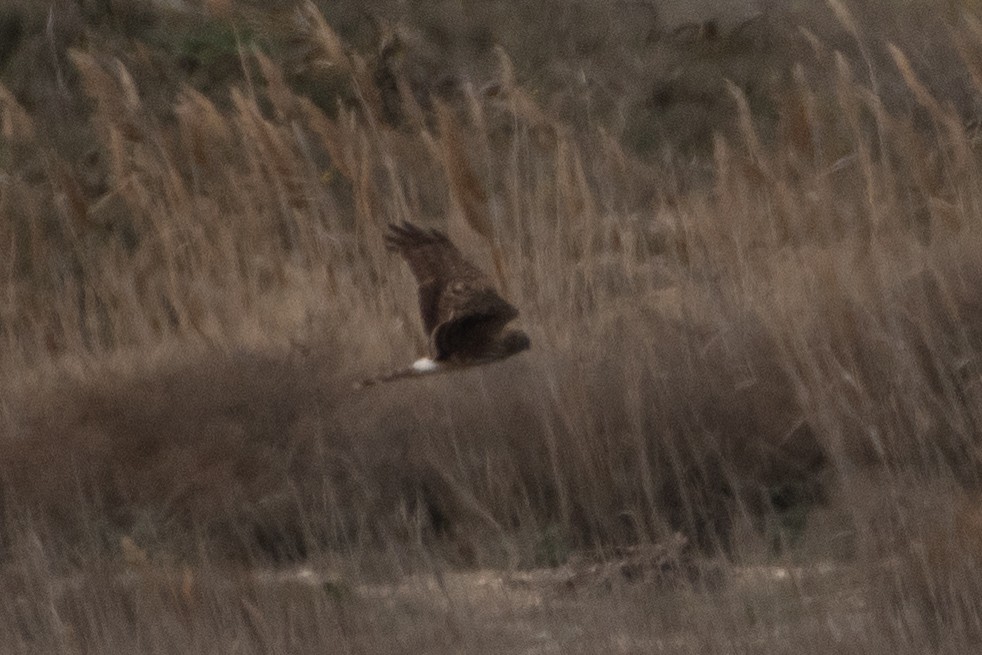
(463, 315)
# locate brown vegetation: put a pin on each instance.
(746, 252)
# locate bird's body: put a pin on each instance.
(462, 312)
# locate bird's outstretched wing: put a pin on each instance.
(459, 305)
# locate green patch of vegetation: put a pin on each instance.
(553, 547)
(207, 52)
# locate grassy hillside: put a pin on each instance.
(745, 244)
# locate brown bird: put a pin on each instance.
(462, 313)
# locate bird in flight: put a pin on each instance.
(463, 315)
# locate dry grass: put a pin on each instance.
(752, 286)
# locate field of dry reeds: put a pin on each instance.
(746, 245)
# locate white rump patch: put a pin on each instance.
(425, 365)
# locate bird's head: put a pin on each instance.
(513, 342)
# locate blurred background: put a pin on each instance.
(744, 239)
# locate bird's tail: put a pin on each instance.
(419, 368)
(390, 377)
